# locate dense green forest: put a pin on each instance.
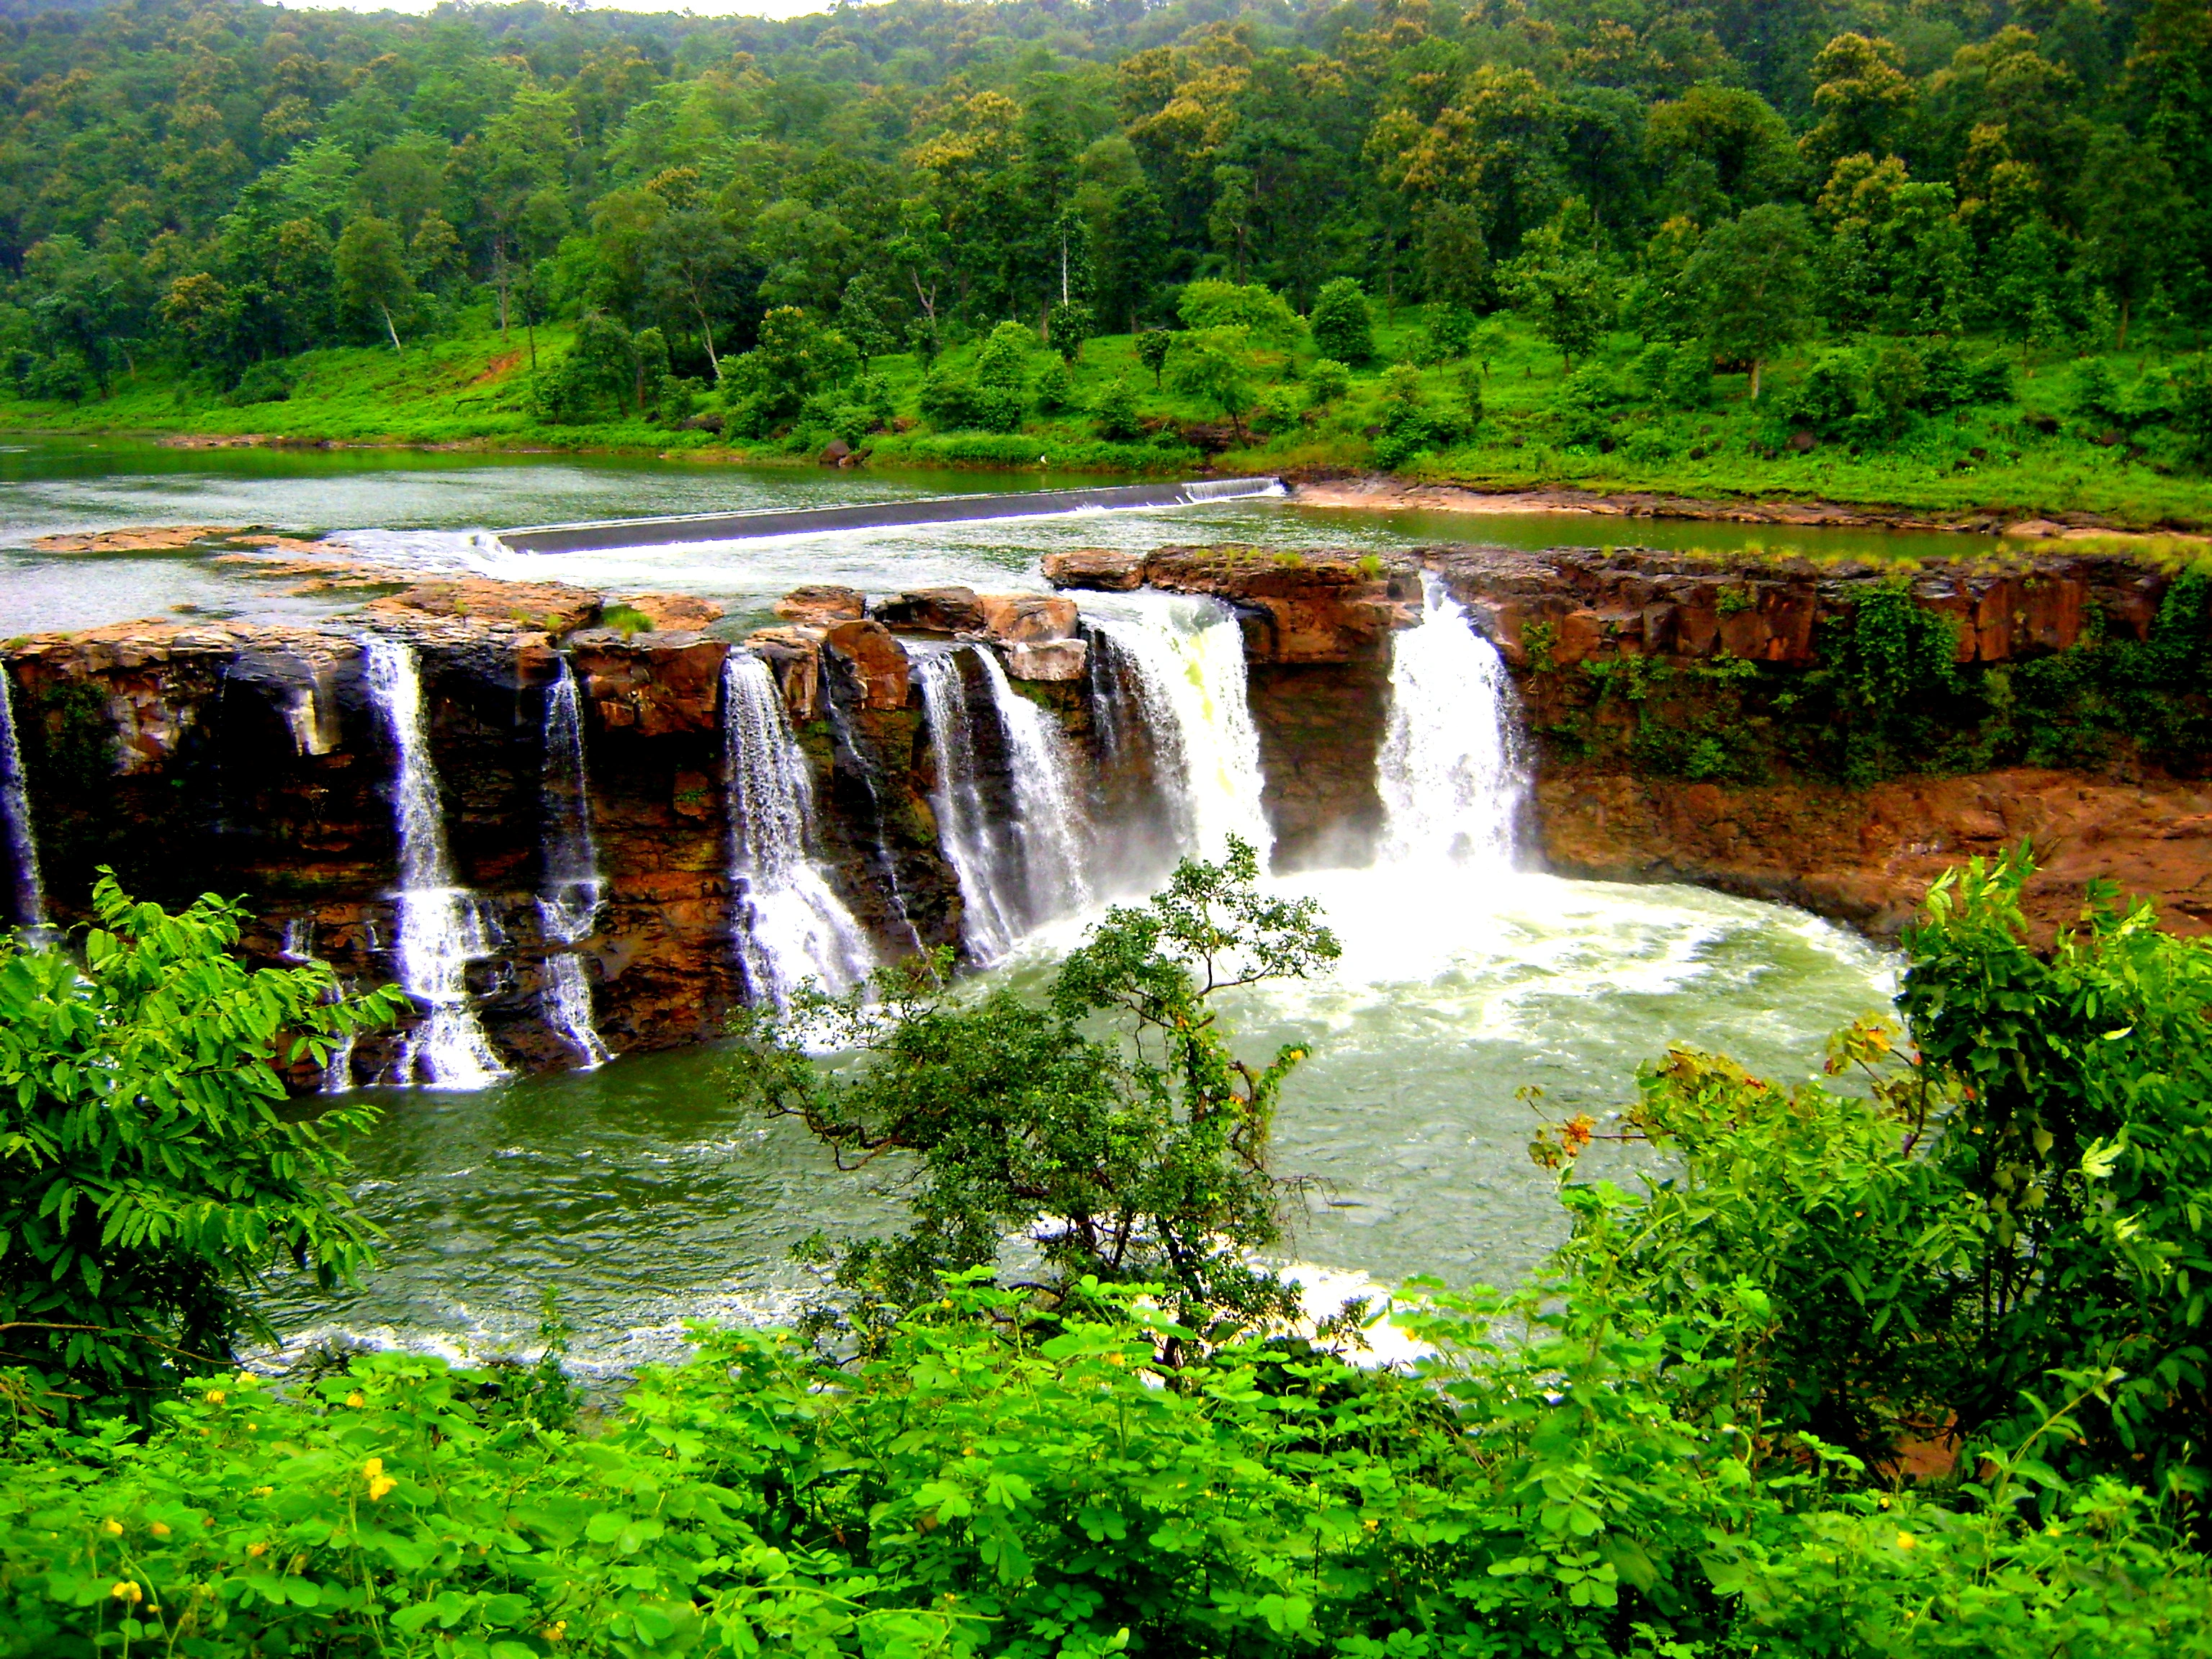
(796, 232)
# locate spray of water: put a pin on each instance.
(441, 929)
(791, 927)
(299, 946)
(571, 894)
(1451, 770)
(29, 895)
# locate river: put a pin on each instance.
(647, 1200)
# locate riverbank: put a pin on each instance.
(1541, 444)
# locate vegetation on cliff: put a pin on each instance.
(1951, 257)
(1911, 1368)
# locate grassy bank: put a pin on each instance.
(2033, 450)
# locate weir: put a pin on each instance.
(790, 925)
(685, 528)
(571, 892)
(440, 925)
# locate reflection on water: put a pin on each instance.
(648, 1199)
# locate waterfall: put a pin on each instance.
(1452, 771)
(1018, 867)
(300, 946)
(571, 892)
(441, 929)
(30, 898)
(1187, 658)
(791, 926)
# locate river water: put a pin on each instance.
(639, 1192)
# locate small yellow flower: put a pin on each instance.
(257, 1550)
(371, 1469)
(113, 1528)
(215, 1396)
(556, 1631)
(1905, 1541)
(356, 1398)
(126, 1591)
(1371, 1525)
(262, 1492)
(160, 1529)
(381, 1484)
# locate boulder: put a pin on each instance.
(1046, 659)
(793, 655)
(877, 660)
(1026, 618)
(650, 684)
(822, 605)
(553, 607)
(933, 610)
(1100, 569)
(673, 613)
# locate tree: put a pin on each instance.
(1863, 98)
(1754, 275)
(1209, 364)
(1116, 413)
(2129, 208)
(1455, 257)
(1114, 1126)
(1565, 288)
(1071, 325)
(1152, 347)
(1133, 248)
(372, 271)
(1339, 322)
(149, 1172)
(863, 316)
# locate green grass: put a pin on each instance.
(471, 390)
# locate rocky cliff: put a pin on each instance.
(1833, 737)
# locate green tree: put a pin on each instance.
(1754, 276)
(1211, 364)
(1563, 287)
(1151, 346)
(2129, 208)
(371, 271)
(1863, 98)
(1339, 322)
(149, 1172)
(864, 316)
(1116, 413)
(1114, 1125)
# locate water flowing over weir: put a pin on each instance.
(441, 929)
(29, 895)
(572, 892)
(1452, 773)
(1185, 660)
(791, 927)
(1019, 856)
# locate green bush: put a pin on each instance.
(1340, 323)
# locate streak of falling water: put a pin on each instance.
(569, 898)
(300, 946)
(29, 898)
(441, 929)
(791, 927)
(1453, 776)
(1015, 872)
(1187, 656)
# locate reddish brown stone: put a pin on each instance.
(879, 660)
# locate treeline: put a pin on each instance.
(221, 185)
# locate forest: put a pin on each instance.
(1948, 237)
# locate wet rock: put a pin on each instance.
(822, 605)
(550, 607)
(933, 610)
(1026, 618)
(1297, 607)
(794, 656)
(155, 538)
(650, 684)
(877, 659)
(673, 613)
(1100, 569)
(1046, 659)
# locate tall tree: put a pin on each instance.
(1754, 276)
(372, 271)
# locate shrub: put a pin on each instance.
(1340, 325)
(1252, 307)
(1326, 381)
(1055, 388)
(1003, 362)
(1116, 412)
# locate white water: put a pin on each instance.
(1015, 872)
(791, 927)
(440, 928)
(30, 898)
(569, 899)
(1451, 770)
(1187, 658)
(300, 946)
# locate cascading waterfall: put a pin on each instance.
(441, 929)
(29, 898)
(1015, 872)
(791, 926)
(1451, 770)
(1187, 658)
(300, 946)
(571, 893)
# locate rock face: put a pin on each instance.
(1682, 714)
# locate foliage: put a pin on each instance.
(1755, 276)
(148, 1173)
(1116, 412)
(1113, 1128)
(1339, 323)
(1152, 347)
